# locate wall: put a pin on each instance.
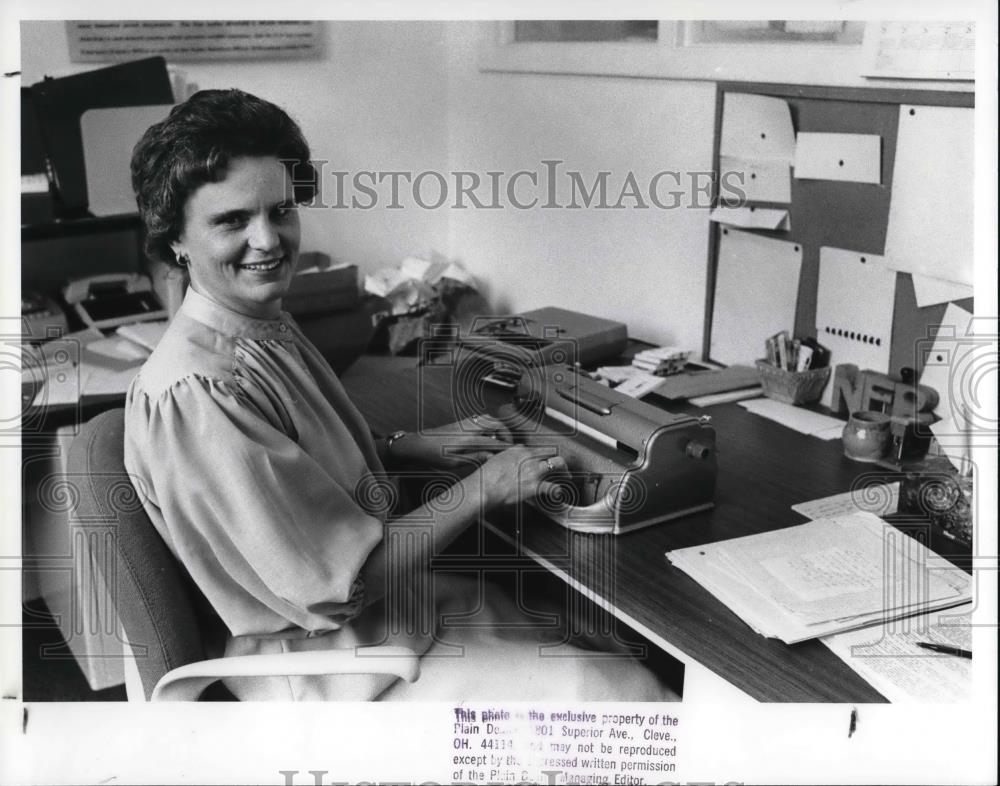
(410, 96)
(645, 267)
(375, 100)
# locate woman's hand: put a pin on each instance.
(474, 439)
(520, 474)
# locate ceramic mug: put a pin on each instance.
(867, 436)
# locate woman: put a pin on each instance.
(254, 461)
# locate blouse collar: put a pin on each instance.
(232, 323)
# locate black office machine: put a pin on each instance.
(631, 464)
(112, 299)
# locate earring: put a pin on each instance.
(182, 259)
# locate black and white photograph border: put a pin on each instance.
(580, 178)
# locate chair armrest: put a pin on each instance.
(186, 683)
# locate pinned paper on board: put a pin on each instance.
(855, 301)
(856, 158)
(756, 147)
(931, 291)
(757, 128)
(950, 364)
(756, 289)
(931, 212)
(752, 217)
(760, 180)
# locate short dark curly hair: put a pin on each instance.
(194, 146)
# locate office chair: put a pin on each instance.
(160, 609)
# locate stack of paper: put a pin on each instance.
(661, 360)
(826, 576)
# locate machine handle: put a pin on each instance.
(585, 400)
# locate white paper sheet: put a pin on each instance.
(852, 157)
(756, 127)
(824, 576)
(752, 217)
(931, 211)
(931, 291)
(759, 180)
(756, 288)
(804, 421)
(887, 656)
(881, 499)
(855, 300)
(953, 351)
(639, 385)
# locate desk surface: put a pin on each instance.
(764, 468)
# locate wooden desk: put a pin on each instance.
(764, 468)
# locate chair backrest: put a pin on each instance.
(154, 597)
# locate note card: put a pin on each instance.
(931, 211)
(853, 157)
(756, 288)
(752, 217)
(881, 499)
(756, 147)
(855, 300)
(756, 127)
(760, 180)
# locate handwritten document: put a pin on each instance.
(888, 657)
(826, 576)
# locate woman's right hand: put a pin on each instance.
(519, 474)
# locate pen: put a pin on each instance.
(945, 649)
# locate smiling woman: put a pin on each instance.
(241, 237)
(258, 471)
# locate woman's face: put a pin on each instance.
(241, 237)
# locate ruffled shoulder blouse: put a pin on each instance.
(253, 463)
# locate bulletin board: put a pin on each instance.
(838, 214)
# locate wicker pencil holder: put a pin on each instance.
(792, 387)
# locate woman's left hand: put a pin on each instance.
(469, 441)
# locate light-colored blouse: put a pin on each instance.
(250, 454)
